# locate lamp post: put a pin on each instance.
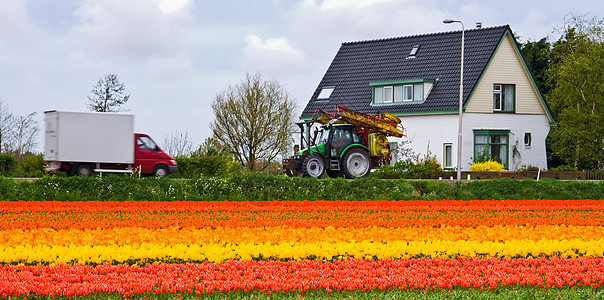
(449, 21)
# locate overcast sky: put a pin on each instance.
(174, 56)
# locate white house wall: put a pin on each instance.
(431, 132)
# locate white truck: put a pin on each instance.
(81, 143)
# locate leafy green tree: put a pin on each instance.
(538, 58)
(577, 94)
(108, 95)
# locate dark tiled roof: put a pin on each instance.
(358, 63)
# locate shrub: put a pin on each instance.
(487, 166)
(210, 165)
(563, 169)
(31, 164)
(7, 163)
(418, 168)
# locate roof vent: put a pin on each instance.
(413, 51)
(478, 24)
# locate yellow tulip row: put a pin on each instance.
(257, 235)
(146, 252)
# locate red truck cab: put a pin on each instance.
(150, 158)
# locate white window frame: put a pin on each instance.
(503, 92)
(407, 96)
(448, 161)
(388, 94)
(378, 95)
(326, 92)
(418, 91)
(398, 91)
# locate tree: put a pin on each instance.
(109, 94)
(23, 137)
(211, 147)
(577, 95)
(6, 125)
(254, 120)
(538, 58)
(178, 143)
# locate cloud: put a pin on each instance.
(339, 4)
(128, 30)
(171, 6)
(169, 68)
(16, 28)
(274, 55)
(344, 20)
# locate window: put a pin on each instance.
(527, 139)
(448, 155)
(378, 95)
(503, 97)
(493, 144)
(418, 92)
(407, 93)
(325, 92)
(398, 93)
(145, 143)
(387, 94)
(401, 90)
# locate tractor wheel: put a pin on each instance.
(356, 163)
(313, 166)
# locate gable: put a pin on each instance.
(507, 67)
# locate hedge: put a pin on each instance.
(257, 187)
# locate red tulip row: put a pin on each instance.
(369, 205)
(301, 276)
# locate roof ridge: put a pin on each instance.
(423, 34)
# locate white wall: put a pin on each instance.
(433, 131)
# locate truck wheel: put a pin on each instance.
(313, 166)
(83, 170)
(160, 171)
(356, 163)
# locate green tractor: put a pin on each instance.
(345, 143)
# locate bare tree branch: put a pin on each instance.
(253, 119)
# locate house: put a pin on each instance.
(417, 78)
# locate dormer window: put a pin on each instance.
(325, 92)
(401, 91)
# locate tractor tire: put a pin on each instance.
(356, 163)
(313, 166)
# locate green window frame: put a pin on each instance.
(399, 91)
(504, 97)
(496, 144)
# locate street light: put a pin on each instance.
(449, 21)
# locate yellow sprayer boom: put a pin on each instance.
(385, 123)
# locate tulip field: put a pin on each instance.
(301, 249)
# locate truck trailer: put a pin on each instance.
(82, 143)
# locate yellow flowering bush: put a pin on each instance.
(487, 166)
